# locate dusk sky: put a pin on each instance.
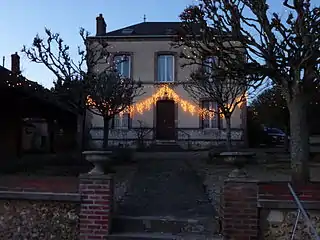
(21, 20)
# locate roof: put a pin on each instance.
(3, 70)
(155, 29)
(9, 80)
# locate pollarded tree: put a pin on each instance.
(109, 94)
(283, 50)
(211, 77)
(224, 91)
(102, 91)
(52, 52)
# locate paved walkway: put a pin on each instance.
(166, 187)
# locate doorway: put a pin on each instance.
(165, 116)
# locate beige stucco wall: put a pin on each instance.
(143, 68)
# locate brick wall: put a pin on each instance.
(239, 210)
(96, 206)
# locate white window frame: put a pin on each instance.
(208, 68)
(212, 105)
(122, 119)
(121, 63)
(165, 70)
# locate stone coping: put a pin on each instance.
(281, 182)
(287, 204)
(96, 176)
(40, 196)
(241, 180)
(237, 153)
(252, 180)
(29, 183)
(97, 152)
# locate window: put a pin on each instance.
(121, 121)
(123, 65)
(215, 121)
(209, 65)
(165, 68)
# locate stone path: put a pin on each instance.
(166, 187)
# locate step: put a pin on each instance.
(165, 142)
(151, 224)
(165, 147)
(161, 236)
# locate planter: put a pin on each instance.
(99, 159)
(239, 160)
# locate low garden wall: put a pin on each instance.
(56, 207)
(39, 208)
(253, 209)
(278, 211)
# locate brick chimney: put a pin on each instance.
(101, 26)
(15, 64)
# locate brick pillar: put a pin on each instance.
(239, 210)
(96, 206)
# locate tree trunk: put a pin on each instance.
(299, 137)
(286, 140)
(105, 132)
(228, 133)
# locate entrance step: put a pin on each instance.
(161, 236)
(165, 146)
(164, 227)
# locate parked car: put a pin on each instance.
(273, 136)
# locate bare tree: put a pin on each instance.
(141, 132)
(110, 94)
(52, 52)
(286, 51)
(225, 92)
(104, 92)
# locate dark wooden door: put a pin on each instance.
(165, 120)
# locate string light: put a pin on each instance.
(165, 92)
(21, 82)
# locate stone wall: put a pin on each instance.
(187, 138)
(56, 207)
(38, 219)
(253, 209)
(278, 211)
(277, 224)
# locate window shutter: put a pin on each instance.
(129, 121)
(200, 117)
(215, 119)
(111, 123)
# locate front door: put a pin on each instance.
(165, 120)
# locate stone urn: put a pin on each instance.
(239, 160)
(99, 159)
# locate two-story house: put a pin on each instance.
(166, 108)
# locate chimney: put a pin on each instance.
(101, 26)
(15, 64)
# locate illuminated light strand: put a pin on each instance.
(165, 92)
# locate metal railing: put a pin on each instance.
(185, 133)
(313, 232)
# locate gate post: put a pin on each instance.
(96, 206)
(239, 209)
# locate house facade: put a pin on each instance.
(165, 112)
